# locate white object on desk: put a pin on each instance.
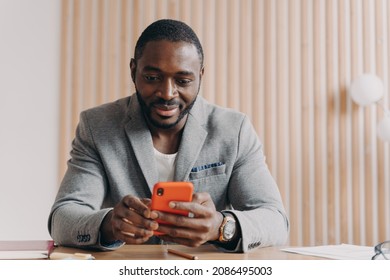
(23, 255)
(337, 252)
(75, 256)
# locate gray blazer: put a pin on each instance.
(112, 156)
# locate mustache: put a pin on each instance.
(162, 102)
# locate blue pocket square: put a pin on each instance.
(206, 166)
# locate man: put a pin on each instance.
(166, 132)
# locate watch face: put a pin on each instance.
(229, 229)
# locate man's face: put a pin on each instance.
(167, 79)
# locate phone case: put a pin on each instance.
(164, 192)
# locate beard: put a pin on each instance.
(148, 112)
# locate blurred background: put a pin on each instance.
(30, 55)
(288, 64)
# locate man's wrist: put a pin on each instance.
(228, 242)
(228, 228)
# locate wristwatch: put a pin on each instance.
(227, 228)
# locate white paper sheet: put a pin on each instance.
(22, 255)
(337, 252)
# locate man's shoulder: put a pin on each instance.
(116, 106)
(110, 110)
(218, 115)
(108, 117)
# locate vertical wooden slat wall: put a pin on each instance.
(288, 65)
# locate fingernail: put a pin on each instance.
(153, 215)
(128, 233)
(154, 226)
(172, 204)
(147, 214)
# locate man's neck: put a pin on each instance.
(167, 141)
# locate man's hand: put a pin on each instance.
(131, 221)
(192, 231)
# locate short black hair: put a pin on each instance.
(170, 30)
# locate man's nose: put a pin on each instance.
(167, 90)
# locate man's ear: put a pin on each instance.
(133, 69)
(201, 73)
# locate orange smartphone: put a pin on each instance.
(164, 192)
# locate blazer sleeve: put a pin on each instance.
(76, 214)
(254, 195)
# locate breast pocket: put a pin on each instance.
(207, 170)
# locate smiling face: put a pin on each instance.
(167, 79)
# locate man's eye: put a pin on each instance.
(151, 78)
(184, 82)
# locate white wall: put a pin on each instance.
(29, 115)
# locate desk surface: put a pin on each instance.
(205, 252)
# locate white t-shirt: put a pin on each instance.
(165, 166)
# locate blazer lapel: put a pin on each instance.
(191, 144)
(141, 141)
(192, 141)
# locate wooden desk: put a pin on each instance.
(205, 252)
